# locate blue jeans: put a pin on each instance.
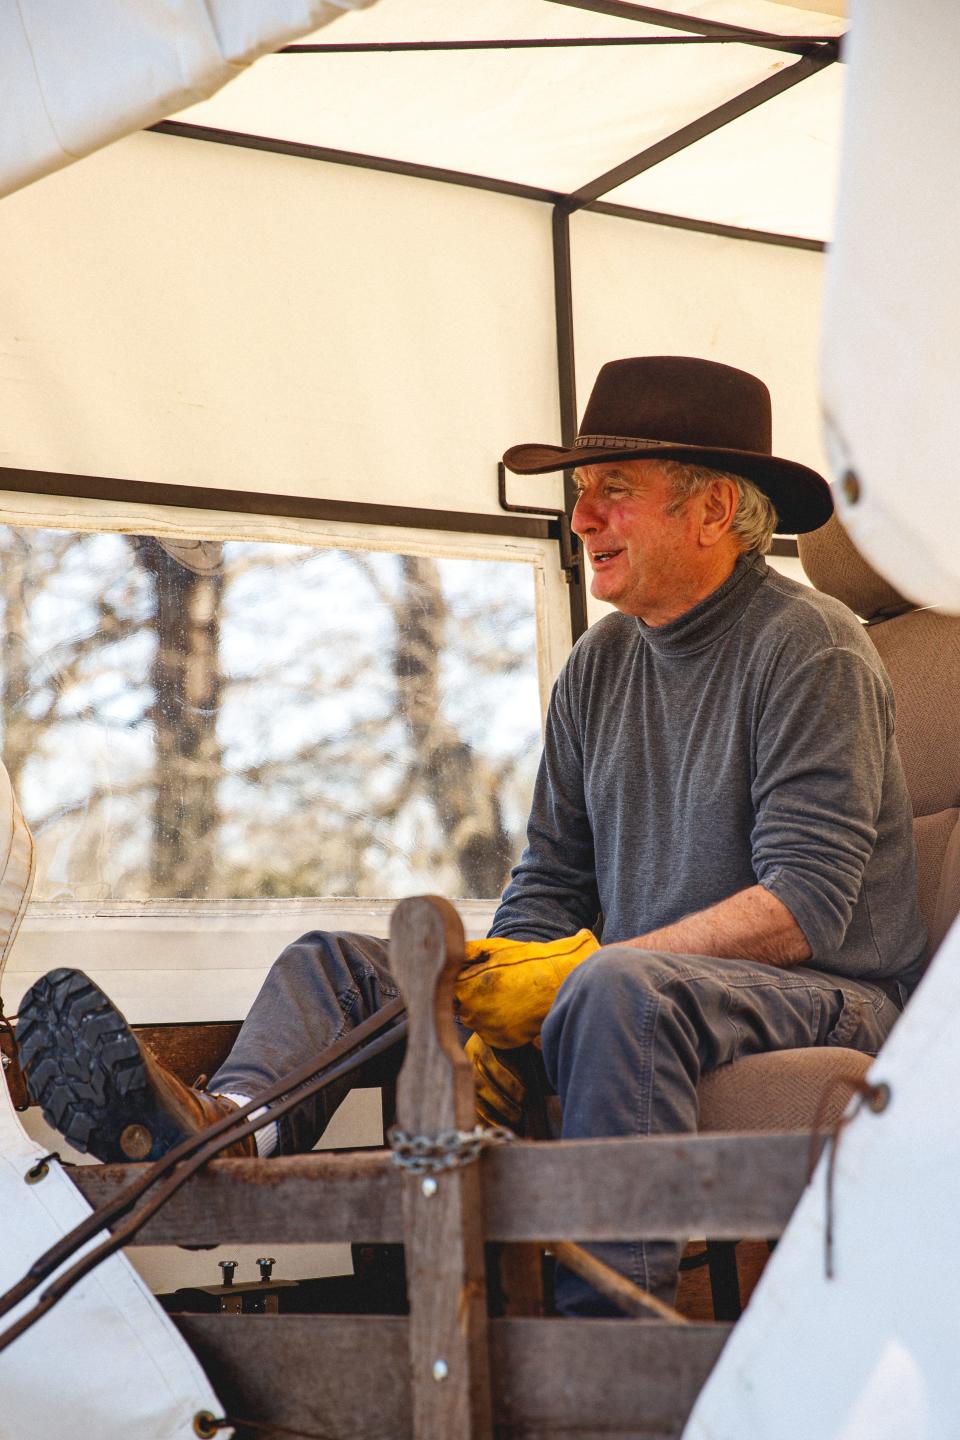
(624, 1045)
(321, 987)
(630, 1033)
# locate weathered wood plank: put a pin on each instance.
(726, 1186)
(12, 1072)
(337, 1197)
(190, 1049)
(442, 1214)
(330, 1375)
(664, 1187)
(611, 1377)
(348, 1376)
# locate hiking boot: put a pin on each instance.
(97, 1085)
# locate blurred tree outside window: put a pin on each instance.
(214, 720)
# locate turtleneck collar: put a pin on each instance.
(713, 616)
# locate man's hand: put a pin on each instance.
(506, 987)
(751, 925)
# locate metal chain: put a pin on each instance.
(430, 1154)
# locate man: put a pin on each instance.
(720, 797)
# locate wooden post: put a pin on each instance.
(443, 1236)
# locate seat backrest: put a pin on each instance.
(921, 651)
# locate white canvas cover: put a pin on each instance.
(892, 311)
(106, 1361)
(73, 78)
(869, 1354)
(213, 315)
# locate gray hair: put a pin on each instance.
(755, 518)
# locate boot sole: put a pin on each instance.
(83, 1065)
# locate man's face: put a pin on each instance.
(644, 559)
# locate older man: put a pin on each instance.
(720, 780)
(719, 798)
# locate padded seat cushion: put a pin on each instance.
(834, 565)
(781, 1089)
(922, 654)
(938, 873)
(776, 1091)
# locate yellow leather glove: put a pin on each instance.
(500, 1091)
(506, 987)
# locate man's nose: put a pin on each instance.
(584, 519)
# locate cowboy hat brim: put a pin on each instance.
(800, 496)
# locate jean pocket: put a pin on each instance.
(848, 1021)
(859, 1022)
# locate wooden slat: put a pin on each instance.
(339, 1375)
(191, 1049)
(725, 1186)
(12, 1072)
(635, 1378)
(665, 1187)
(442, 1214)
(348, 1376)
(299, 1199)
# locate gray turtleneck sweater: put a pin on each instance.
(750, 741)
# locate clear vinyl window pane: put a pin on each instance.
(207, 719)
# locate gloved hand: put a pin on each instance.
(506, 987)
(500, 1091)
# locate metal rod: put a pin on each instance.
(298, 150)
(798, 43)
(301, 151)
(567, 394)
(569, 554)
(704, 227)
(715, 29)
(257, 502)
(698, 129)
(563, 311)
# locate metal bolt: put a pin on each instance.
(227, 1267)
(879, 1097)
(440, 1370)
(850, 485)
(136, 1142)
(266, 1264)
(6, 1061)
(428, 1186)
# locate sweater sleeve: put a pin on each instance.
(821, 743)
(553, 889)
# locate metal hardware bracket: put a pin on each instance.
(570, 562)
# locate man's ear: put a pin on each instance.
(718, 507)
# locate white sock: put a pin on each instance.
(268, 1137)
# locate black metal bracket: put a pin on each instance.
(559, 526)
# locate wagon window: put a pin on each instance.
(214, 719)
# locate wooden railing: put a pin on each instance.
(447, 1371)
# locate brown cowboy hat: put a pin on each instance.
(676, 407)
